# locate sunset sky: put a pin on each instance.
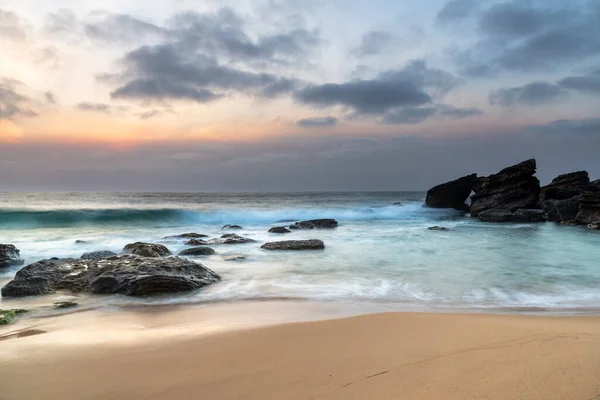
(190, 95)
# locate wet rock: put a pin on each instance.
(316, 224)
(231, 238)
(147, 249)
(398, 203)
(495, 215)
(191, 235)
(451, 194)
(197, 251)
(511, 189)
(7, 316)
(129, 275)
(234, 257)
(95, 255)
(594, 226)
(561, 210)
(231, 227)
(196, 242)
(61, 305)
(529, 215)
(438, 228)
(589, 208)
(9, 256)
(312, 244)
(279, 229)
(566, 186)
(80, 241)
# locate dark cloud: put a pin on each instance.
(456, 11)
(415, 115)
(13, 102)
(372, 43)
(568, 127)
(11, 26)
(317, 122)
(458, 113)
(587, 84)
(531, 94)
(120, 28)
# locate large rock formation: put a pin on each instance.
(566, 186)
(451, 194)
(9, 256)
(589, 208)
(130, 275)
(316, 224)
(313, 244)
(511, 189)
(147, 249)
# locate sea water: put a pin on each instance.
(381, 254)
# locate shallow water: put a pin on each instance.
(381, 253)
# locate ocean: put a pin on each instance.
(381, 255)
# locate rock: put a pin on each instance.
(234, 257)
(129, 275)
(398, 203)
(316, 224)
(60, 305)
(512, 188)
(279, 229)
(596, 184)
(232, 227)
(561, 210)
(197, 251)
(196, 242)
(9, 256)
(80, 241)
(147, 249)
(451, 194)
(95, 255)
(438, 228)
(313, 244)
(594, 226)
(231, 238)
(529, 215)
(7, 316)
(566, 186)
(495, 215)
(589, 208)
(190, 235)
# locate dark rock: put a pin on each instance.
(561, 210)
(231, 238)
(232, 227)
(196, 242)
(234, 257)
(190, 235)
(316, 224)
(495, 215)
(80, 241)
(596, 184)
(398, 203)
(512, 188)
(279, 229)
(594, 226)
(147, 249)
(566, 186)
(451, 194)
(95, 255)
(7, 316)
(438, 228)
(60, 305)
(130, 275)
(197, 251)
(9, 256)
(313, 244)
(589, 208)
(529, 215)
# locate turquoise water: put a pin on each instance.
(381, 253)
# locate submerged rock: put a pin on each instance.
(191, 235)
(7, 316)
(312, 244)
(197, 251)
(529, 215)
(196, 242)
(438, 228)
(9, 256)
(60, 305)
(451, 194)
(129, 275)
(594, 226)
(80, 241)
(231, 238)
(589, 208)
(512, 188)
(95, 255)
(316, 224)
(228, 226)
(147, 249)
(279, 229)
(234, 257)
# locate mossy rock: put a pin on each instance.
(64, 304)
(6, 317)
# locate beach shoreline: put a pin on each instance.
(266, 350)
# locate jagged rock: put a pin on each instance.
(61, 305)
(95, 255)
(315, 224)
(566, 186)
(191, 235)
(312, 244)
(438, 228)
(512, 188)
(231, 238)
(529, 215)
(451, 194)
(589, 208)
(594, 226)
(279, 229)
(495, 215)
(197, 251)
(234, 257)
(228, 226)
(595, 184)
(9, 256)
(130, 275)
(147, 249)
(196, 242)
(561, 210)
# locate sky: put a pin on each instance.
(293, 95)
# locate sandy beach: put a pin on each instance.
(179, 354)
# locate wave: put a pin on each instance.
(11, 218)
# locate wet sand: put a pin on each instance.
(193, 353)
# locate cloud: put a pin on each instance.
(11, 26)
(531, 94)
(569, 127)
(415, 115)
(50, 98)
(119, 28)
(456, 11)
(14, 103)
(317, 122)
(587, 84)
(372, 43)
(95, 107)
